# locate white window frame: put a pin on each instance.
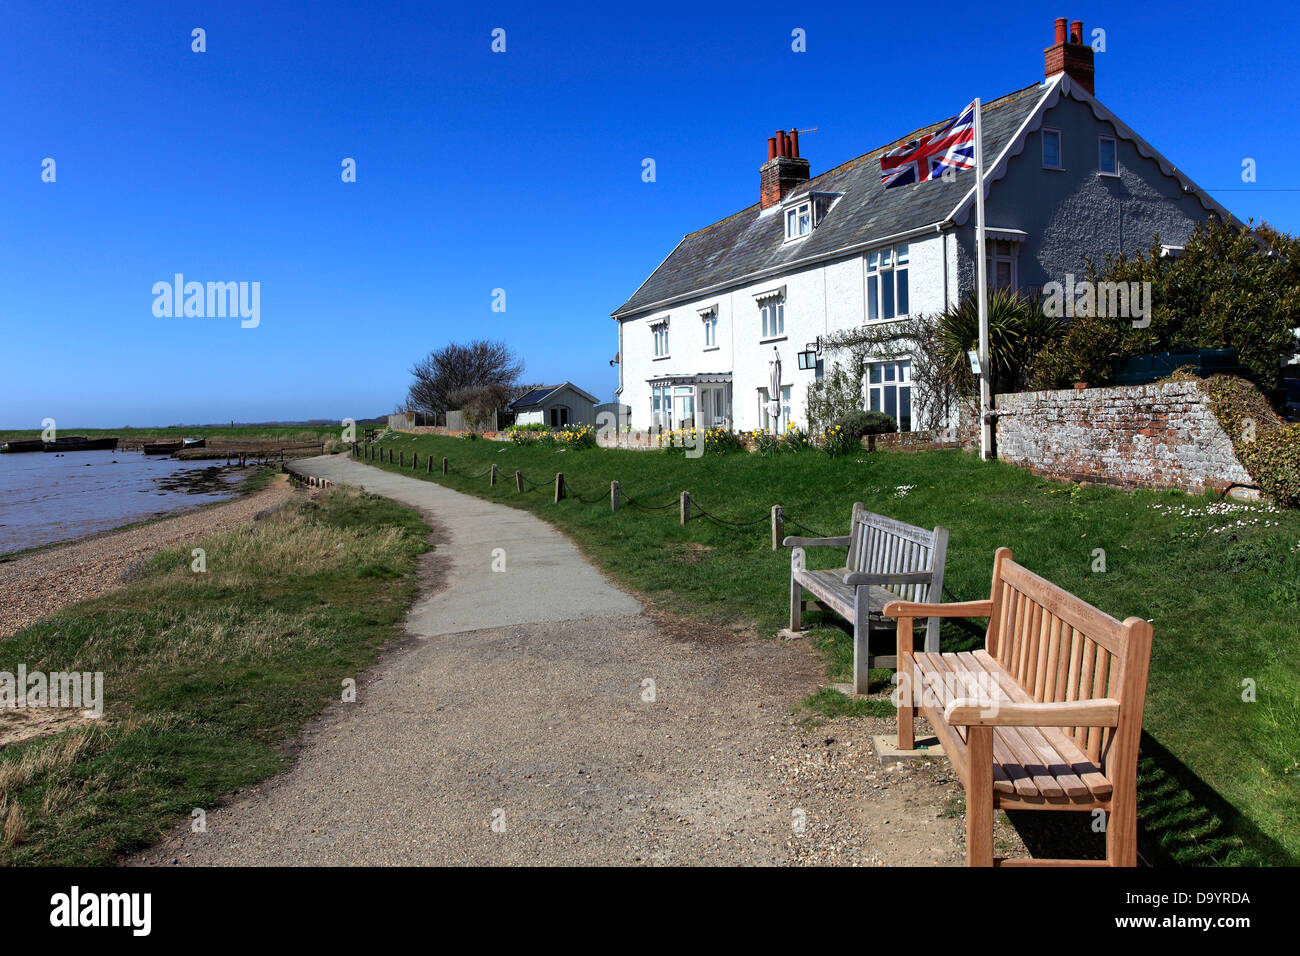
(887, 263)
(1060, 148)
(709, 318)
(1115, 146)
(902, 379)
(660, 332)
(663, 415)
(799, 216)
(771, 314)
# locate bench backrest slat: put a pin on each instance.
(1060, 648)
(883, 545)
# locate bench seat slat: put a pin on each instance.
(828, 586)
(1086, 770)
(1005, 767)
(1032, 762)
(1062, 771)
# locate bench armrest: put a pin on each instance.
(842, 541)
(970, 712)
(853, 578)
(956, 609)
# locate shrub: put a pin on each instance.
(1234, 287)
(1267, 447)
(470, 436)
(530, 427)
(1273, 460)
(859, 423)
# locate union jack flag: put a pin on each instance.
(952, 147)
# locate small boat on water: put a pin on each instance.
(81, 443)
(161, 447)
(193, 443)
(22, 444)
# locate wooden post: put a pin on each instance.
(444, 466)
(492, 478)
(415, 460)
(685, 506)
(559, 486)
(428, 464)
(778, 526)
(401, 458)
(614, 490)
(390, 456)
(519, 481)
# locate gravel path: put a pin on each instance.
(41, 582)
(487, 739)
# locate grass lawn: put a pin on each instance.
(206, 676)
(1221, 583)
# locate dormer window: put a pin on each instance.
(804, 216)
(799, 220)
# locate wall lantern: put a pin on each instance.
(808, 358)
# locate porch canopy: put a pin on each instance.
(703, 378)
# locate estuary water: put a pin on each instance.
(47, 497)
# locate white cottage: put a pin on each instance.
(1065, 179)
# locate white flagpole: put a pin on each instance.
(982, 287)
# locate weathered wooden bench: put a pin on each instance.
(887, 560)
(1047, 717)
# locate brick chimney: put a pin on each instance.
(1070, 55)
(784, 169)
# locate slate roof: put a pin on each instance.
(747, 244)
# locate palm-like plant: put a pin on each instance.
(1018, 332)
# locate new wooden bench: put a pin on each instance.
(887, 560)
(1046, 717)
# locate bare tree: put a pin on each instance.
(455, 371)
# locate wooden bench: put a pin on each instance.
(1046, 717)
(887, 560)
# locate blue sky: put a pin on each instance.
(478, 170)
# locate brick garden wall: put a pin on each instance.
(1140, 436)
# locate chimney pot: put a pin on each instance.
(784, 169)
(1070, 55)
